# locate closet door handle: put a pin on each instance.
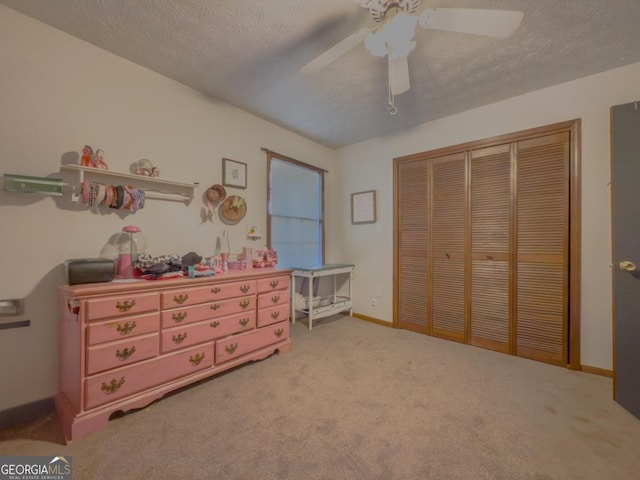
(627, 266)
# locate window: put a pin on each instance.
(295, 211)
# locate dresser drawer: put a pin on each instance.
(243, 343)
(279, 297)
(181, 316)
(192, 334)
(192, 296)
(273, 283)
(127, 327)
(110, 386)
(122, 305)
(271, 315)
(116, 354)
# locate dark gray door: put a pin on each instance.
(626, 254)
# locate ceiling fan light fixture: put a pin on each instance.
(395, 38)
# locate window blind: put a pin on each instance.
(295, 208)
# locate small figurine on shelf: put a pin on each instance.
(146, 168)
(100, 163)
(87, 156)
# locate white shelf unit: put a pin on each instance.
(329, 305)
(154, 187)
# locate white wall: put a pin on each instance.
(58, 93)
(369, 165)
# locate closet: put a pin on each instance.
(484, 241)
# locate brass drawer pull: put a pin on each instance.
(274, 283)
(231, 348)
(197, 359)
(180, 299)
(275, 315)
(245, 288)
(275, 298)
(278, 333)
(125, 306)
(123, 329)
(244, 322)
(215, 306)
(178, 339)
(214, 324)
(215, 290)
(245, 303)
(178, 317)
(126, 353)
(113, 386)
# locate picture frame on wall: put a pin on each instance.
(234, 173)
(363, 207)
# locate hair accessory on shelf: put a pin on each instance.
(101, 194)
(85, 192)
(120, 191)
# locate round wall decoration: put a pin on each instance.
(216, 193)
(233, 209)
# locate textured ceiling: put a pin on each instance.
(248, 52)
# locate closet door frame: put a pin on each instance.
(573, 128)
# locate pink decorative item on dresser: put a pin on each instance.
(124, 345)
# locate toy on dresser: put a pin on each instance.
(265, 258)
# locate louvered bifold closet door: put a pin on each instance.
(448, 203)
(490, 247)
(413, 243)
(542, 251)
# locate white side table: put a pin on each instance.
(329, 305)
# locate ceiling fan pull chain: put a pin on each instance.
(391, 105)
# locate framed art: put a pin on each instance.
(363, 207)
(234, 174)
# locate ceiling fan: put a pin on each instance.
(392, 36)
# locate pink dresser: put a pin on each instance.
(124, 345)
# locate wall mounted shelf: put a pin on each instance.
(153, 187)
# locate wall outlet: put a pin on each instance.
(374, 302)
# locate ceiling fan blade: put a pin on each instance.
(399, 75)
(334, 52)
(491, 23)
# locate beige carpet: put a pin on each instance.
(355, 400)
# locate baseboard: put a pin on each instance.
(26, 413)
(597, 371)
(377, 321)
